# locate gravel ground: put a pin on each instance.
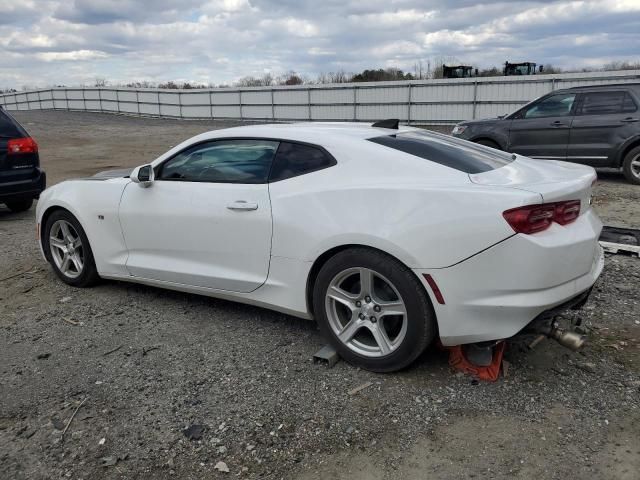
(150, 363)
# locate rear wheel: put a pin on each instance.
(20, 205)
(488, 143)
(68, 250)
(373, 310)
(631, 166)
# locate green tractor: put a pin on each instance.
(524, 68)
(458, 71)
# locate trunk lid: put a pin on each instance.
(554, 180)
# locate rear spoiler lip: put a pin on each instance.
(390, 123)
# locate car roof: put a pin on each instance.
(309, 132)
(334, 136)
(614, 86)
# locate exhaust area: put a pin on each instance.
(572, 340)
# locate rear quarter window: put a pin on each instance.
(603, 103)
(294, 159)
(458, 154)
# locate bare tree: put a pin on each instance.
(267, 79)
(621, 65)
(548, 68)
(250, 81)
(290, 78)
(419, 72)
(169, 85)
(339, 76)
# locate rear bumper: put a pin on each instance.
(500, 291)
(21, 189)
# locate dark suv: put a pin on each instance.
(21, 179)
(597, 126)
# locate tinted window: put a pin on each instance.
(628, 105)
(8, 127)
(553, 106)
(294, 159)
(222, 161)
(603, 103)
(464, 156)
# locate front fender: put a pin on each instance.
(496, 132)
(502, 140)
(95, 205)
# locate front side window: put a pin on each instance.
(222, 161)
(554, 106)
(607, 103)
(295, 159)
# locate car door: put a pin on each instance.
(541, 130)
(205, 220)
(603, 121)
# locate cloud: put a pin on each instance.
(71, 56)
(74, 41)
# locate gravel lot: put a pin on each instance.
(149, 363)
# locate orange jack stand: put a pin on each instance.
(489, 373)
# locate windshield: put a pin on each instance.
(451, 152)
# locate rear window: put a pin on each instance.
(459, 154)
(8, 127)
(603, 103)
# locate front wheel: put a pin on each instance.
(373, 310)
(68, 250)
(631, 166)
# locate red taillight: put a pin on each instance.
(536, 218)
(530, 219)
(566, 212)
(22, 145)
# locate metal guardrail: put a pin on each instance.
(415, 102)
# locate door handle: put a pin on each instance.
(242, 205)
(558, 123)
(629, 120)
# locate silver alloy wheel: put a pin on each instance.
(635, 166)
(66, 248)
(366, 312)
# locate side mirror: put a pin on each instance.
(142, 175)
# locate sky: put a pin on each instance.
(73, 42)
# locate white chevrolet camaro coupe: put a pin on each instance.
(388, 236)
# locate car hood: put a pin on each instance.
(484, 121)
(107, 174)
